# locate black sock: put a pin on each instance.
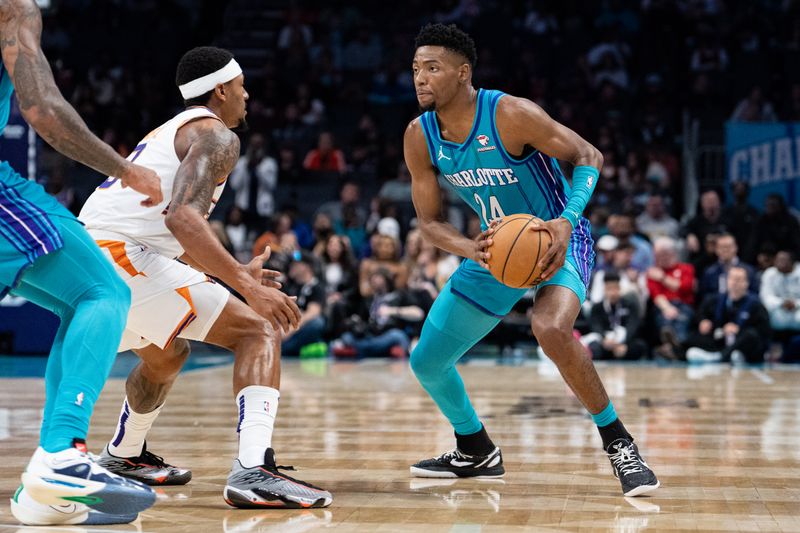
(475, 444)
(615, 430)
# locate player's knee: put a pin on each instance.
(113, 295)
(253, 331)
(549, 333)
(424, 366)
(173, 360)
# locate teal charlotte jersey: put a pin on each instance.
(494, 184)
(27, 231)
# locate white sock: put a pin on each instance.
(132, 429)
(258, 406)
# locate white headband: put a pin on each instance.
(206, 83)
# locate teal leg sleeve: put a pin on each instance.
(95, 307)
(52, 376)
(453, 326)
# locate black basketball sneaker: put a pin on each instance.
(147, 468)
(264, 487)
(632, 471)
(458, 464)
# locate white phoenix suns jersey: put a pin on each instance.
(112, 208)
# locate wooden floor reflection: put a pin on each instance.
(724, 442)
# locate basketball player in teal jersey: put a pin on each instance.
(500, 155)
(47, 257)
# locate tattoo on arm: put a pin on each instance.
(211, 157)
(40, 100)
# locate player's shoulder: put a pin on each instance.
(208, 128)
(511, 107)
(414, 131)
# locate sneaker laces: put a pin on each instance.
(455, 453)
(626, 460)
(150, 458)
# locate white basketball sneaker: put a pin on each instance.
(32, 513)
(72, 476)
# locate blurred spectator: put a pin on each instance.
(294, 32)
(325, 157)
(754, 108)
(671, 287)
(387, 312)
(237, 234)
(614, 324)
(310, 294)
(366, 145)
(780, 292)
(385, 257)
(623, 227)
(339, 266)
(349, 195)
(777, 226)
(606, 246)
(714, 279)
(708, 221)
(254, 180)
(730, 327)
(398, 189)
(740, 219)
(363, 54)
(631, 281)
(323, 230)
(655, 221)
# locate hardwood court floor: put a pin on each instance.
(724, 442)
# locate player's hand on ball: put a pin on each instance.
(560, 231)
(145, 181)
(265, 276)
(482, 242)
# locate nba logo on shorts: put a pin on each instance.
(79, 399)
(266, 407)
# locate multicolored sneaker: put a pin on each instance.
(32, 513)
(263, 486)
(147, 468)
(72, 476)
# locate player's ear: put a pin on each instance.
(220, 91)
(464, 73)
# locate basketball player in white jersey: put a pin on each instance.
(173, 302)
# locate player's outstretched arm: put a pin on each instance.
(523, 123)
(211, 151)
(427, 198)
(45, 109)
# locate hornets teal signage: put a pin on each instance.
(767, 157)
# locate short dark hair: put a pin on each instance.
(449, 37)
(197, 63)
(611, 276)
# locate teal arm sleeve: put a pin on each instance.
(584, 180)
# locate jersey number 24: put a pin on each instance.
(495, 211)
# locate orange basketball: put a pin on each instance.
(516, 250)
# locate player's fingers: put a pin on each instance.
(494, 223)
(270, 274)
(552, 268)
(271, 283)
(264, 256)
(297, 315)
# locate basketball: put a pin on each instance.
(515, 251)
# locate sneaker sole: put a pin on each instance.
(422, 472)
(247, 499)
(57, 489)
(33, 517)
(154, 481)
(643, 489)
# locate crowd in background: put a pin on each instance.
(322, 182)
